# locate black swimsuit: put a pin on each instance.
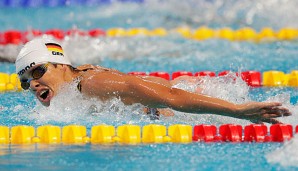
(79, 86)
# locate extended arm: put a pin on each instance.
(132, 89)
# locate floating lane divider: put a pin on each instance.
(270, 78)
(152, 133)
(273, 78)
(266, 34)
(9, 82)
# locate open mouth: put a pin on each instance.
(44, 94)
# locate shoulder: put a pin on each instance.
(104, 84)
(99, 77)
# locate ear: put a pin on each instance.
(62, 66)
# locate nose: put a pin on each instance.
(34, 84)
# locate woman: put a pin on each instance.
(43, 68)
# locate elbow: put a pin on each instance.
(174, 99)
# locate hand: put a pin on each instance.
(166, 112)
(259, 112)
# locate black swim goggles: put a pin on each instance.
(36, 73)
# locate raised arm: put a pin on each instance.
(132, 89)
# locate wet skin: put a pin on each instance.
(153, 92)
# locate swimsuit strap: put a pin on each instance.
(79, 86)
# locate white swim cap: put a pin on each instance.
(40, 51)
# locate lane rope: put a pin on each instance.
(266, 34)
(152, 133)
(255, 79)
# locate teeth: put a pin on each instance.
(42, 92)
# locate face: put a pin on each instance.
(45, 81)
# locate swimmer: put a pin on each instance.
(43, 68)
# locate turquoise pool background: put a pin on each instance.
(168, 54)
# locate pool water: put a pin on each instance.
(195, 156)
(170, 53)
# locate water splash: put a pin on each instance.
(233, 13)
(71, 107)
(284, 98)
(286, 155)
(193, 13)
(83, 49)
(233, 89)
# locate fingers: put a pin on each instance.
(265, 112)
(257, 121)
(269, 120)
(270, 104)
(276, 110)
(268, 116)
(272, 121)
(275, 107)
(270, 113)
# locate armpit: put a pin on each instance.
(92, 67)
(85, 67)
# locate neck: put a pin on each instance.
(71, 74)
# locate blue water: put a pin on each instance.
(156, 13)
(195, 156)
(171, 53)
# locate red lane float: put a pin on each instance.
(252, 133)
(76, 32)
(56, 33)
(136, 73)
(223, 73)
(205, 73)
(180, 73)
(1, 39)
(31, 34)
(96, 33)
(231, 132)
(256, 133)
(206, 133)
(281, 132)
(164, 75)
(19, 37)
(252, 78)
(13, 37)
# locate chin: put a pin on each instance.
(47, 104)
(45, 96)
